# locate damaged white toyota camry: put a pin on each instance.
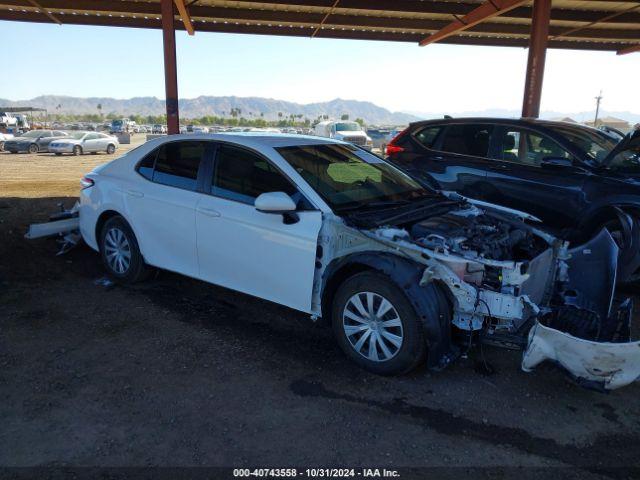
(403, 274)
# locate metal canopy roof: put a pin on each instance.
(575, 24)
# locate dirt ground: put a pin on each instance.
(175, 372)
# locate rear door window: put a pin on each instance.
(178, 163)
(467, 139)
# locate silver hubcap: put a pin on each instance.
(372, 326)
(117, 250)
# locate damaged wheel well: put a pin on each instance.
(430, 301)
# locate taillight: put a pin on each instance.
(392, 147)
(86, 182)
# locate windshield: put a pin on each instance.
(347, 177)
(596, 145)
(33, 134)
(347, 127)
(116, 123)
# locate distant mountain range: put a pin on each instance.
(630, 117)
(250, 107)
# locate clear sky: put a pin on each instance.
(124, 63)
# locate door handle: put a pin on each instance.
(209, 212)
(438, 159)
(135, 193)
(498, 167)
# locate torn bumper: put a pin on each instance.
(586, 334)
(598, 365)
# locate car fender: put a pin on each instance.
(429, 301)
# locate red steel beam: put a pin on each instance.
(487, 10)
(170, 67)
(184, 15)
(624, 51)
(537, 57)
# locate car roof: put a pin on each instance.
(525, 121)
(256, 139)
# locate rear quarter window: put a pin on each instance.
(428, 136)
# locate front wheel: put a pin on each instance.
(376, 326)
(33, 148)
(120, 252)
(77, 150)
(111, 149)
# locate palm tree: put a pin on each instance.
(100, 110)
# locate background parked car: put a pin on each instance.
(577, 179)
(85, 142)
(3, 138)
(33, 142)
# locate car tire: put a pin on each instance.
(111, 149)
(1, 146)
(397, 334)
(120, 252)
(77, 150)
(58, 154)
(33, 148)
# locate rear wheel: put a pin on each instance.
(33, 148)
(77, 150)
(111, 149)
(58, 154)
(120, 252)
(376, 326)
(1, 146)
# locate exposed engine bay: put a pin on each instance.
(504, 278)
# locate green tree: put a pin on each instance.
(345, 116)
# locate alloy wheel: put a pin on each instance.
(117, 250)
(373, 327)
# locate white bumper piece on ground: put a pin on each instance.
(605, 365)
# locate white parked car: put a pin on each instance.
(199, 129)
(78, 143)
(402, 273)
(3, 137)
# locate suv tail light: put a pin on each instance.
(392, 146)
(86, 182)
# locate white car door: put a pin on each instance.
(162, 205)
(251, 251)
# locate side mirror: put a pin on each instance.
(556, 162)
(274, 202)
(278, 202)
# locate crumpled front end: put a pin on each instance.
(585, 332)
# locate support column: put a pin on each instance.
(537, 56)
(170, 68)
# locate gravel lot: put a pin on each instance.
(175, 372)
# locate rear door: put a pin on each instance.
(161, 204)
(523, 180)
(250, 251)
(453, 156)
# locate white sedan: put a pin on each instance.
(401, 272)
(78, 143)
